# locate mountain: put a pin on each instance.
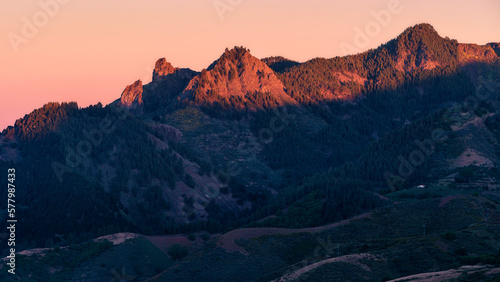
(237, 80)
(214, 160)
(418, 53)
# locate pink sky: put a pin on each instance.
(88, 51)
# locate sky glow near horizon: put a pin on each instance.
(88, 51)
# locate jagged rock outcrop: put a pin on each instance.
(162, 69)
(168, 82)
(132, 95)
(238, 80)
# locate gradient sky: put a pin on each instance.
(88, 50)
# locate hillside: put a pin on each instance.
(248, 162)
(388, 243)
(101, 153)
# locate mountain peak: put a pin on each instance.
(419, 35)
(132, 95)
(232, 55)
(162, 69)
(422, 27)
(238, 80)
(421, 47)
